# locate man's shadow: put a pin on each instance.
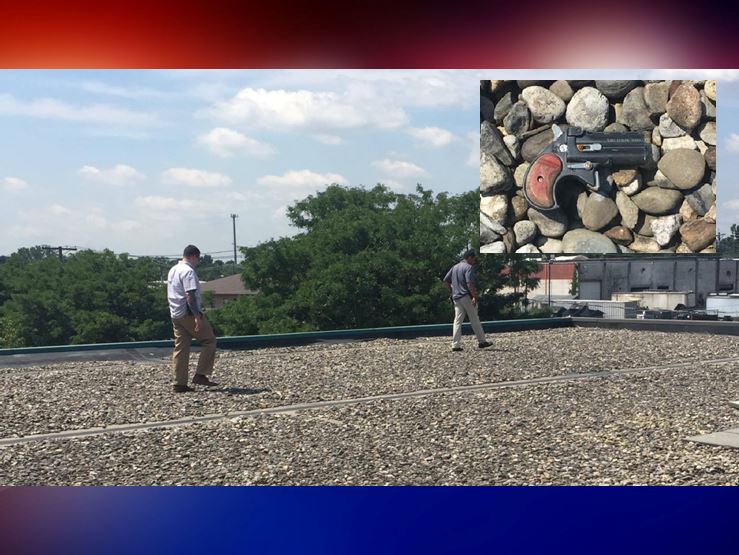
(240, 390)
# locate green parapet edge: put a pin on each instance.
(301, 338)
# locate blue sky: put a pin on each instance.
(147, 161)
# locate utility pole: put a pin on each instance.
(59, 250)
(233, 217)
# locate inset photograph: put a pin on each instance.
(602, 167)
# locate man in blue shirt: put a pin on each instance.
(462, 284)
(188, 321)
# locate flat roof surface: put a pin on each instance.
(558, 406)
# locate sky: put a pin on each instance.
(146, 162)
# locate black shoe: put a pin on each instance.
(182, 388)
(456, 349)
(200, 379)
(485, 345)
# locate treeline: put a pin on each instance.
(366, 258)
(361, 258)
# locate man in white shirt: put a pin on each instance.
(188, 321)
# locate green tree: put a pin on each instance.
(362, 258)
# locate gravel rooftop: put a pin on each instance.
(621, 428)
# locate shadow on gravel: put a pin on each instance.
(239, 390)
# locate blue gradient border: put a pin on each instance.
(373, 520)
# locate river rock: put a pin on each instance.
(520, 173)
(582, 199)
(527, 249)
(701, 199)
(525, 231)
(644, 225)
(614, 89)
(585, 241)
(711, 214)
(487, 108)
(656, 96)
(665, 227)
(494, 176)
(686, 141)
(702, 147)
(661, 180)
(615, 127)
(710, 157)
(708, 106)
(635, 112)
(518, 119)
(495, 207)
(708, 133)
(493, 248)
(656, 137)
(518, 208)
(684, 106)
(562, 89)
(682, 248)
(533, 146)
(548, 245)
(644, 244)
(552, 223)
(710, 88)
(513, 146)
(503, 106)
(628, 210)
(684, 167)
(624, 176)
(491, 143)
(668, 128)
(545, 106)
(619, 234)
(588, 109)
(698, 234)
(686, 212)
(487, 234)
(657, 201)
(598, 212)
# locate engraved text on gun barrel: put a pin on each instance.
(539, 185)
(581, 158)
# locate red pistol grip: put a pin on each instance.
(540, 180)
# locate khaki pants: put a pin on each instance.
(462, 307)
(184, 332)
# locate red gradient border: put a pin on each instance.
(380, 34)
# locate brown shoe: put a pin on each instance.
(182, 388)
(200, 379)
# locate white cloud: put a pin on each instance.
(120, 174)
(301, 179)
(14, 184)
(328, 139)
(732, 143)
(280, 212)
(166, 208)
(59, 210)
(732, 204)
(433, 136)
(226, 143)
(95, 218)
(50, 108)
(718, 74)
(195, 178)
(308, 110)
(98, 87)
(400, 168)
(125, 226)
